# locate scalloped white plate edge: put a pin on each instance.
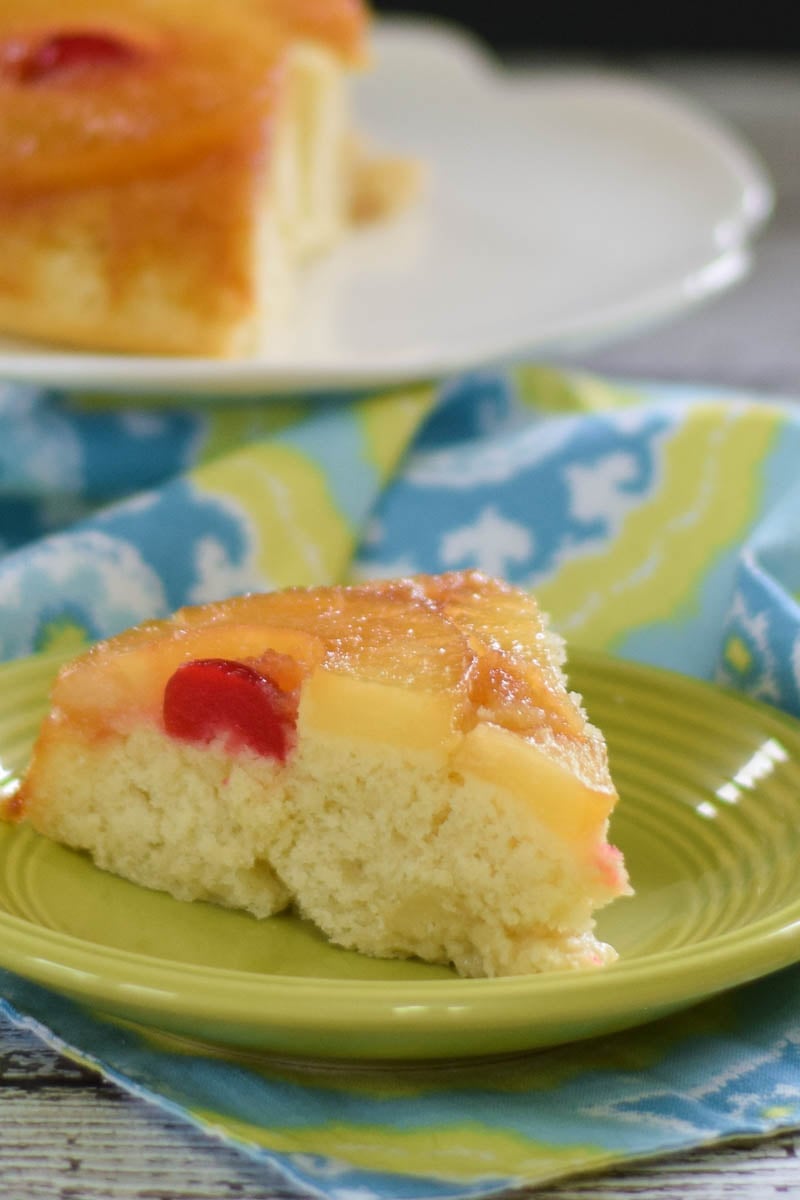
(452, 60)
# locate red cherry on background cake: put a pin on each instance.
(213, 697)
(69, 53)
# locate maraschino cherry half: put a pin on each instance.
(217, 697)
(65, 54)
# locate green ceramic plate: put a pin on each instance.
(709, 820)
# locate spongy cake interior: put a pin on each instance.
(387, 849)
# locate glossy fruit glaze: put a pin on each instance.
(91, 91)
(476, 646)
(479, 640)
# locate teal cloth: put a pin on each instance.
(659, 523)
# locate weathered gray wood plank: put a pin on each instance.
(66, 1134)
(109, 1147)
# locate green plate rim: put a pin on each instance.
(153, 985)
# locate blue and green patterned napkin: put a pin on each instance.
(656, 522)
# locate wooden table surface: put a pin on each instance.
(67, 1135)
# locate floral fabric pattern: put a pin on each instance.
(657, 523)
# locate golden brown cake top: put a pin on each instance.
(341, 25)
(93, 91)
(477, 643)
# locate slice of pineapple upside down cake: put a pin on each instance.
(401, 761)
